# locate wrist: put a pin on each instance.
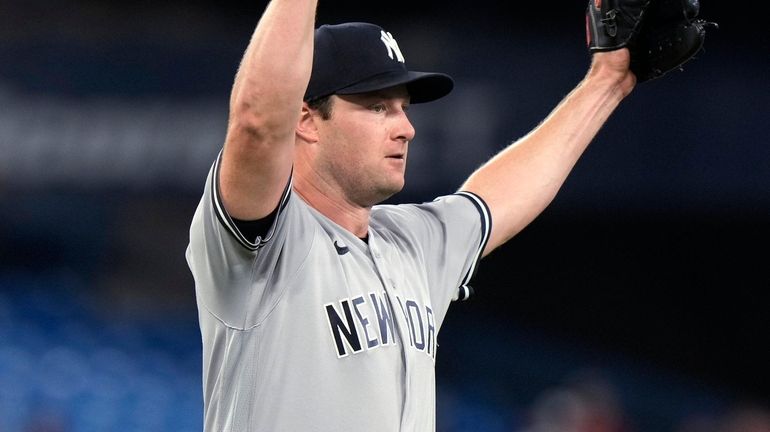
(611, 70)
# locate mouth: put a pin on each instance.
(399, 156)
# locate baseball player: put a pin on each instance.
(320, 308)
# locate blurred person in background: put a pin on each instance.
(586, 402)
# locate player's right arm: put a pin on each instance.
(265, 104)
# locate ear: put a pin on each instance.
(306, 128)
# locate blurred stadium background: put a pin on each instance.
(634, 303)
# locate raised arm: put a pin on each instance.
(265, 105)
(519, 182)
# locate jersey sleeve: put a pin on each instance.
(484, 230)
(450, 234)
(223, 261)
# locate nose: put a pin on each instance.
(404, 128)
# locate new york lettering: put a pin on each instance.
(367, 322)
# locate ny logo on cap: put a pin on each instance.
(391, 45)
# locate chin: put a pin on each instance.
(397, 187)
(387, 192)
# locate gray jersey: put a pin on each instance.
(312, 328)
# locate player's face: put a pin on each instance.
(365, 142)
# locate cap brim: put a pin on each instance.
(422, 86)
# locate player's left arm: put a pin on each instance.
(521, 181)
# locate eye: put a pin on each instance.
(378, 107)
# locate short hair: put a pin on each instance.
(323, 105)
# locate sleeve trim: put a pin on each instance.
(228, 223)
(465, 290)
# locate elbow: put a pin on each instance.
(254, 127)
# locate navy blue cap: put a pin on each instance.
(360, 57)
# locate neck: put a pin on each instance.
(334, 206)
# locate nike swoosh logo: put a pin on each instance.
(341, 250)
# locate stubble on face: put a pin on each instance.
(360, 159)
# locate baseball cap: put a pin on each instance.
(358, 57)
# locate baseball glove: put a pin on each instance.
(661, 35)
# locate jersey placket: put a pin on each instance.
(379, 257)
